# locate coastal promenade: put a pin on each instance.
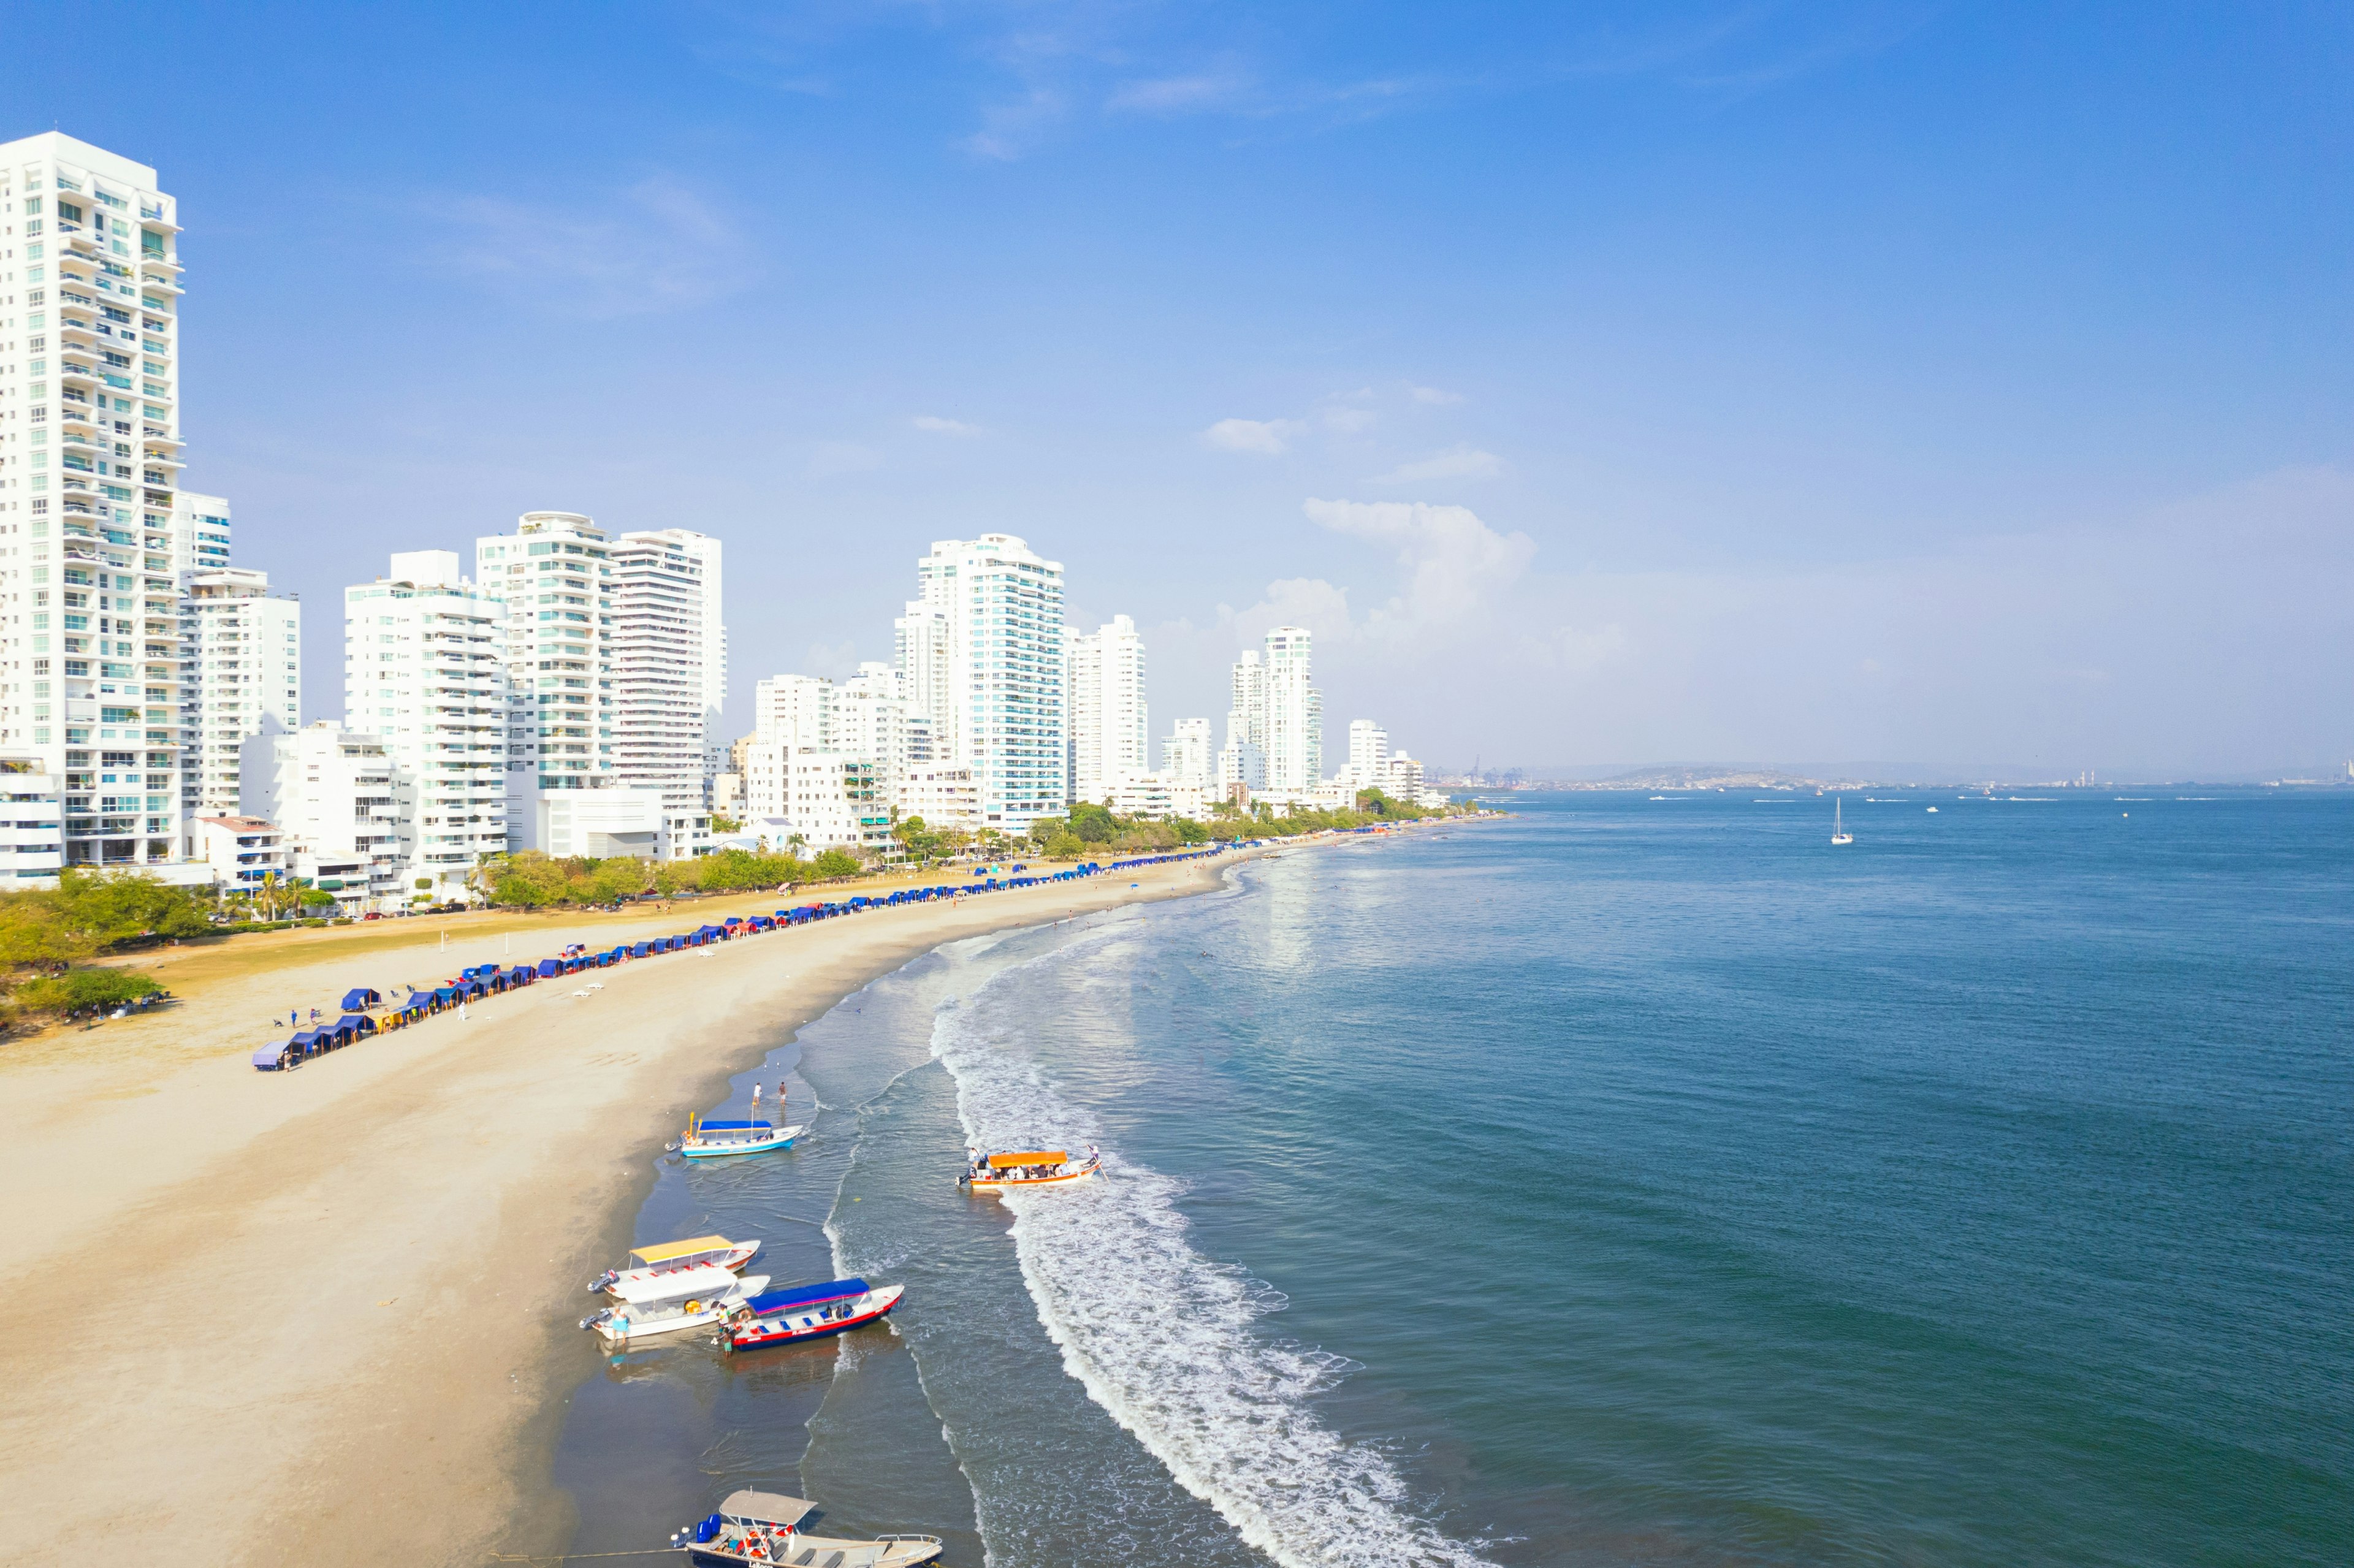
(318, 1316)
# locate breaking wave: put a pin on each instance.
(1165, 1339)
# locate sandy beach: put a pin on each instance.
(313, 1316)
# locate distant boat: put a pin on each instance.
(1933, 808)
(1027, 1168)
(1840, 835)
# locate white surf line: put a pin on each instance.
(1163, 1339)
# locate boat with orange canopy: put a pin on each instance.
(1022, 1168)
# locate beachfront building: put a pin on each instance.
(89, 658)
(945, 797)
(669, 675)
(1369, 756)
(200, 542)
(824, 799)
(1109, 735)
(32, 824)
(553, 580)
(1295, 716)
(1186, 758)
(1243, 760)
(246, 648)
(425, 671)
(246, 854)
(331, 793)
(980, 654)
(1401, 778)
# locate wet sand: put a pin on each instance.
(313, 1316)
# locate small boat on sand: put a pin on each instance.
(1023, 1167)
(807, 1312)
(691, 1299)
(658, 1262)
(763, 1529)
(711, 1139)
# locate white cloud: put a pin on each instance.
(1008, 130)
(1173, 94)
(1433, 394)
(1454, 563)
(1348, 421)
(620, 257)
(1461, 461)
(937, 426)
(1267, 437)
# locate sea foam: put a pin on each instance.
(1165, 1340)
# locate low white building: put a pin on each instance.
(335, 796)
(943, 797)
(32, 824)
(829, 800)
(245, 852)
(1187, 756)
(600, 824)
(1154, 797)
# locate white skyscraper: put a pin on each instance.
(425, 671)
(1244, 759)
(983, 646)
(248, 651)
(555, 575)
(1275, 731)
(1295, 716)
(1110, 740)
(668, 674)
(89, 659)
(200, 542)
(1369, 755)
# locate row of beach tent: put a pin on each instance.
(365, 1012)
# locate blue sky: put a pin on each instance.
(1936, 384)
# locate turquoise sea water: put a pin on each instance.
(1629, 1182)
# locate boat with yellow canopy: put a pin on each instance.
(672, 1257)
(1022, 1168)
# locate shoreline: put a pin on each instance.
(322, 1315)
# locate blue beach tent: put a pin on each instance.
(550, 967)
(359, 997)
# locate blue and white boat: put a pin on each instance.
(807, 1312)
(763, 1529)
(714, 1140)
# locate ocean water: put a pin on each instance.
(1630, 1182)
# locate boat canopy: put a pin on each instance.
(1036, 1157)
(704, 1280)
(749, 1507)
(735, 1126)
(650, 1255)
(807, 1296)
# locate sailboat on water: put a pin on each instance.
(1840, 835)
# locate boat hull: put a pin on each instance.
(801, 1328)
(619, 1326)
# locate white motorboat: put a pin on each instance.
(670, 1258)
(713, 1139)
(764, 1528)
(691, 1299)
